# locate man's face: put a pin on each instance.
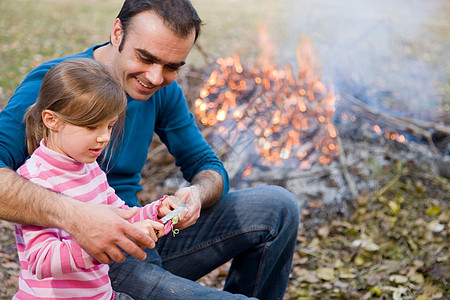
(151, 55)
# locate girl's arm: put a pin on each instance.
(152, 211)
(155, 211)
(149, 211)
(50, 252)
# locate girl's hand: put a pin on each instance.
(152, 228)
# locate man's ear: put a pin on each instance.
(50, 119)
(117, 33)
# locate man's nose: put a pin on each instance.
(154, 74)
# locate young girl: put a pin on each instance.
(79, 105)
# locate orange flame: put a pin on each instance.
(289, 116)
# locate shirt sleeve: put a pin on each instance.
(49, 254)
(149, 211)
(112, 198)
(177, 129)
(13, 149)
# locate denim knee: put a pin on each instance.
(279, 199)
(283, 198)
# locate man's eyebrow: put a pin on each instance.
(150, 56)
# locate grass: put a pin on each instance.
(32, 32)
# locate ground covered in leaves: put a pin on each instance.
(394, 246)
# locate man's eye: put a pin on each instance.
(172, 68)
(145, 60)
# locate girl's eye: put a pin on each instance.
(91, 127)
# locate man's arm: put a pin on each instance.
(98, 229)
(210, 185)
(205, 191)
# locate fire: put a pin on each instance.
(377, 129)
(287, 116)
(390, 135)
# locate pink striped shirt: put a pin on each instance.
(53, 265)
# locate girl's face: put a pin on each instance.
(84, 144)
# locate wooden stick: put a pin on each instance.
(206, 57)
(343, 163)
(411, 126)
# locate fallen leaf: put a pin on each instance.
(433, 210)
(338, 264)
(326, 274)
(376, 291)
(323, 231)
(11, 266)
(366, 243)
(304, 275)
(398, 278)
(435, 226)
(416, 277)
(347, 273)
(359, 261)
(374, 278)
(394, 207)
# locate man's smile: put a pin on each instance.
(143, 84)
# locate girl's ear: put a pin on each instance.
(51, 121)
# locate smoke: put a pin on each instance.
(386, 53)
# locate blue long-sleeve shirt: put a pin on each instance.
(165, 113)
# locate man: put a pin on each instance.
(257, 227)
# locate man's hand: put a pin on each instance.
(190, 196)
(205, 191)
(101, 229)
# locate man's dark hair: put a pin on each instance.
(178, 15)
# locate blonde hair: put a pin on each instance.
(81, 92)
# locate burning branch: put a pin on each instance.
(414, 127)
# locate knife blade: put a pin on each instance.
(173, 213)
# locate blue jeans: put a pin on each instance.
(256, 227)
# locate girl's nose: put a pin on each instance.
(104, 137)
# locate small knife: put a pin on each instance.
(173, 213)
